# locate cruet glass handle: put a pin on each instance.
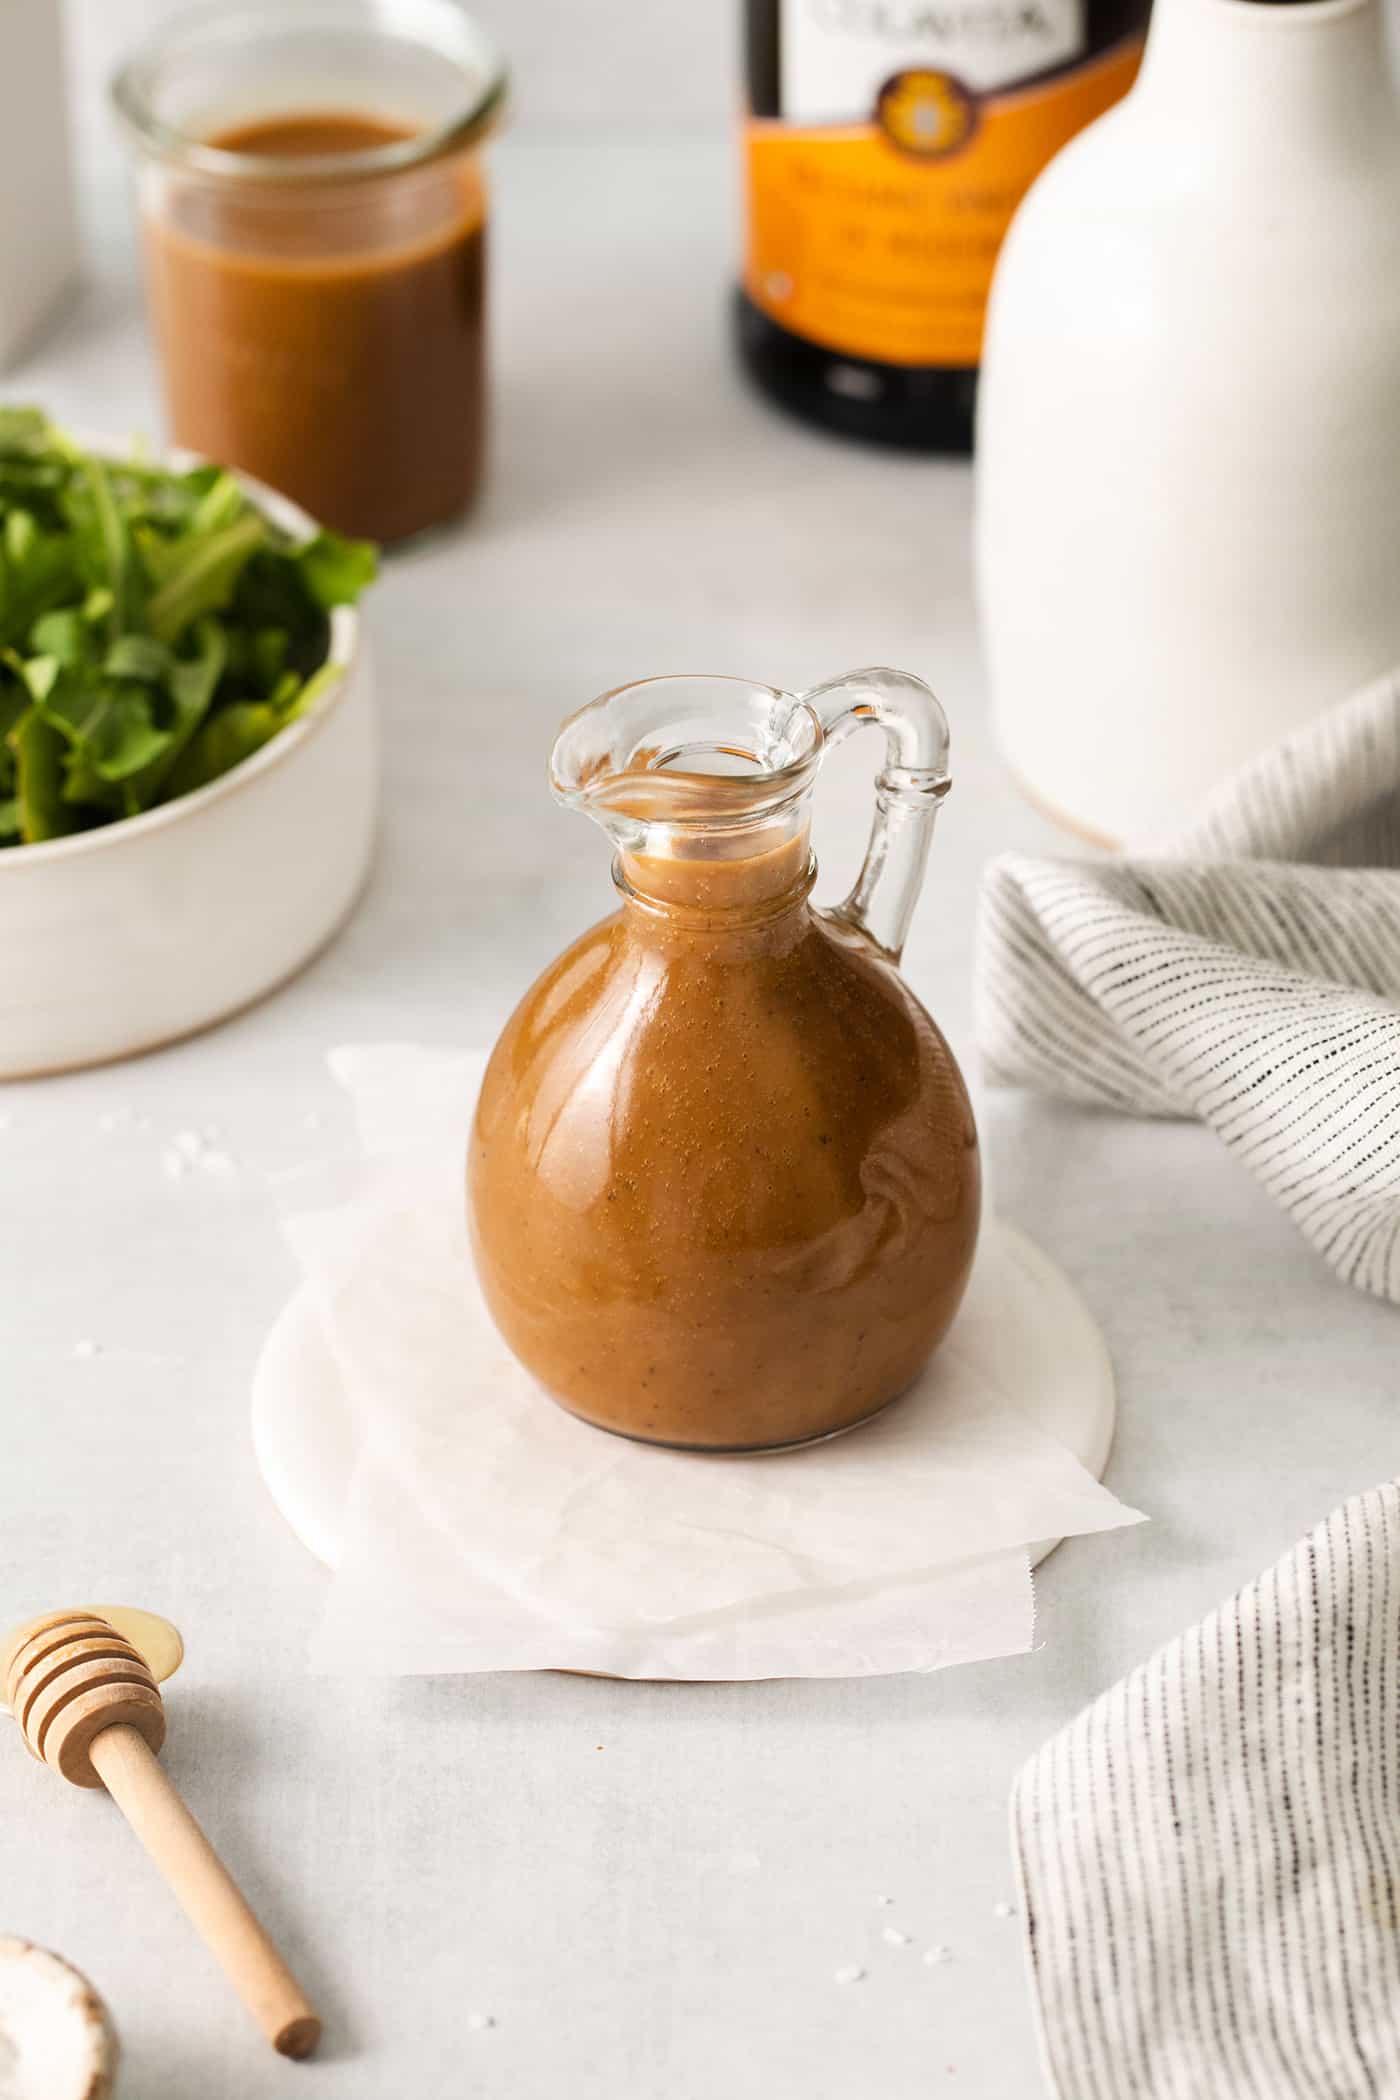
(911, 784)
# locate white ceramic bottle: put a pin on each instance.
(1188, 534)
(38, 230)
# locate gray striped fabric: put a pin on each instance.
(1210, 1853)
(1247, 973)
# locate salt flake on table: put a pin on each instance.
(853, 1973)
(893, 1937)
(188, 1149)
(934, 1957)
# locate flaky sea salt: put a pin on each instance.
(853, 1973)
(1003, 1910)
(893, 1937)
(934, 1957)
(189, 1151)
(479, 2022)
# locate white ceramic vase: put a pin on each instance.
(38, 227)
(1188, 534)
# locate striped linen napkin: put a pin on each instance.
(1247, 974)
(1210, 1854)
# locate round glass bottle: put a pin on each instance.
(723, 1176)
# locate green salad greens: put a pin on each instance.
(155, 629)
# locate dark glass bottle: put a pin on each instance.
(887, 144)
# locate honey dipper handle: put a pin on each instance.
(206, 1890)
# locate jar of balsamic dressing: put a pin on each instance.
(313, 219)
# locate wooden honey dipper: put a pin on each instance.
(87, 1704)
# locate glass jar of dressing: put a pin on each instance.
(313, 218)
(723, 1183)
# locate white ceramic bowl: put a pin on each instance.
(124, 938)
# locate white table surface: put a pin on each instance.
(649, 1889)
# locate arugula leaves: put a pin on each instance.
(155, 630)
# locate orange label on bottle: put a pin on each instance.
(878, 240)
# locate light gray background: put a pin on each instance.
(649, 1888)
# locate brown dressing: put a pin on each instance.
(723, 1180)
(328, 336)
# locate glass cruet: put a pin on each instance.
(723, 1178)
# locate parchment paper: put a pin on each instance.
(488, 1530)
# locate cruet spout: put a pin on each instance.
(678, 754)
(696, 768)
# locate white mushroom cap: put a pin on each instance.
(56, 2040)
